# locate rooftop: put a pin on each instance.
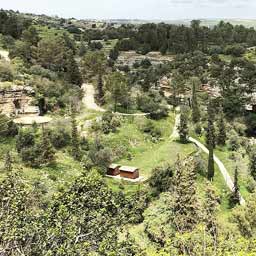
(128, 169)
(114, 166)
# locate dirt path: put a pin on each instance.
(88, 98)
(221, 166)
(5, 55)
(175, 132)
(223, 170)
(89, 101)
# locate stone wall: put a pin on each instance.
(15, 100)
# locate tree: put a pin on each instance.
(75, 147)
(31, 36)
(235, 195)
(73, 73)
(48, 152)
(114, 53)
(210, 173)
(210, 136)
(117, 85)
(183, 127)
(252, 166)
(82, 49)
(210, 206)
(222, 136)
(161, 179)
(18, 231)
(100, 94)
(94, 64)
(195, 107)
(51, 52)
(8, 162)
(186, 201)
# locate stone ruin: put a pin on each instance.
(16, 101)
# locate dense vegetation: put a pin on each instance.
(54, 196)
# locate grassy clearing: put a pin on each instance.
(152, 157)
(241, 162)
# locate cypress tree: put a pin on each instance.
(73, 73)
(48, 152)
(196, 116)
(186, 201)
(252, 167)
(222, 135)
(210, 173)
(8, 162)
(235, 195)
(210, 136)
(210, 205)
(75, 148)
(100, 96)
(183, 127)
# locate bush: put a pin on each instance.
(235, 50)
(6, 72)
(234, 142)
(200, 165)
(25, 139)
(240, 128)
(161, 179)
(149, 128)
(109, 122)
(60, 137)
(250, 184)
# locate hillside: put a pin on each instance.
(127, 140)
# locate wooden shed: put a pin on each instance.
(129, 172)
(113, 170)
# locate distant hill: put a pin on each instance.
(205, 22)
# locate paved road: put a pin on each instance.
(222, 168)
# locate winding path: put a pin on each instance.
(88, 98)
(222, 168)
(5, 55)
(89, 101)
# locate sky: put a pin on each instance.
(137, 9)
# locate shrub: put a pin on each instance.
(6, 72)
(60, 137)
(25, 139)
(235, 50)
(161, 179)
(234, 142)
(250, 184)
(150, 128)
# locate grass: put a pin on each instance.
(242, 163)
(52, 178)
(226, 58)
(162, 153)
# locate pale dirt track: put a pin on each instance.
(5, 55)
(89, 101)
(229, 182)
(88, 98)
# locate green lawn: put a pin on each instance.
(242, 163)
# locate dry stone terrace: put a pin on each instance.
(16, 100)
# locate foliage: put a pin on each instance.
(183, 127)
(161, 179)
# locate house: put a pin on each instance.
(113, 170)
(129, 172)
